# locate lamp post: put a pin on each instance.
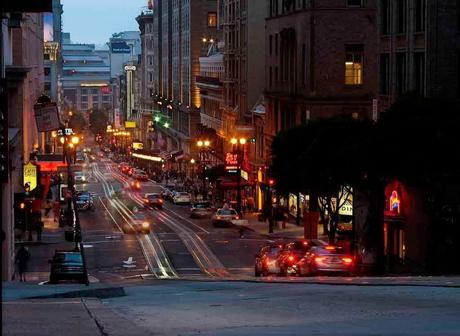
(238, 145)
(203, 146)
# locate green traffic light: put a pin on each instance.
(166, 125)
(157, 118)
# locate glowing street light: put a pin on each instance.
(75, 140)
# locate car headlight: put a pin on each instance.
(83, 178)
(145, 225)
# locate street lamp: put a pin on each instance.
(238, 144)
(203, 146)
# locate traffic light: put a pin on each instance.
(271, 182)
(252, 140)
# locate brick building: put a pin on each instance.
(321, 61)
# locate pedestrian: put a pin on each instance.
(241, 231)
(250, 203)
(22, 259)
(57, 210)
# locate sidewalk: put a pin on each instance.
(41, 251)
(292, 231)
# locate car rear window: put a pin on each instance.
(274, 251)
(68, 257)
(202, 205)
(155, 196)
(226, 212)
(183, 194)
(330, 250)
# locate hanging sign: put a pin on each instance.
(46, 117)
(30, 175)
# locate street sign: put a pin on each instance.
(47, 117)
(130, 124)
(30, 175)
(67, 131)
(130, 67)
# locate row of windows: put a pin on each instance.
(281, 7)
(353, 67)
(401, 73)
(398, 11)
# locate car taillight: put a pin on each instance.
(330, 248)
(347, 260)
(161, 201)
(138, 185)
(218, 217)
(319, 259)
(291, 258)
(237, 217)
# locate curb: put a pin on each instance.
(100, 293)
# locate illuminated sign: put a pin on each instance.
(130, 67)
(93, 84)
(120, 48)
(30, 175)
(130, 124)
(138, 145)
(147, 157)
(106, 89)
(231, 159)
(395, 203)
(244, 174)
(67, 131)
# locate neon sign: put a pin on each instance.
(395, 202)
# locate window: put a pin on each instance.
(84, 98)
(212, 19)
(94, 91)
(354, 3)
(276, 44)
(400, 73)
(419, 73)
(401, 11)
(354, 65)
(304, 65)
(150, 76)
(47, 71)
(385, 17)
(270, 39)
(271, 76)
(419, 15)
(384, 80)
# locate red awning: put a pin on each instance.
(50, 166)
(234, 185)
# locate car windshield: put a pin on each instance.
(153, 196)
(202, 205)
(139, 216)
(83, 197)
(274, 250)
(302, 246)
(68, 257)
(78, 173)
(183, 194)
(226, 212)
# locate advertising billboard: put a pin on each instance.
(120, 48)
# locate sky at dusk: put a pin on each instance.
(94, 21)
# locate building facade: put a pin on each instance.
(321, 61)
(86, 81)
(23, 82)
(179, 30)
(419, 45)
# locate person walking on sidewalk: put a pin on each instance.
(22, 259)
(48, 207)
(40, 226)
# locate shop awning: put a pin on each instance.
(50, 162)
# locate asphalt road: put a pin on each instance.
(177, 246)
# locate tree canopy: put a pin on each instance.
(98, 120)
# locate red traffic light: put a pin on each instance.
(271, 182)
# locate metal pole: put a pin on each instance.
(270, 211)
(238, 183)
(204, 176)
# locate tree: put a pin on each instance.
(98, 120)
(78, 123)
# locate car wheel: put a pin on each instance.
(256, 272)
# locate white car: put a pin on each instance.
(182, 198)
(79, 177)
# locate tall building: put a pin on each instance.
(179, 28)
(22, 83)
(145, 76)
(419, 45)
(124, 48)
(243, 24)
(321, 61)
(85, 77)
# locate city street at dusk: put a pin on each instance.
(230, 167)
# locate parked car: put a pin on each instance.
(325, 259)
(67, 265)
(79, 177)
(291, 254)
(154, 200)
(168, 192)
(84, 201)
(201, 210)
(139, 224)
(182, 198)
(224, 216)
(266, 261)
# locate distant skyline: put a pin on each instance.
(94, 21)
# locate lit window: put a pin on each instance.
(354, 66)
(212, 20)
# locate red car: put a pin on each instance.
(325, 259)
(291, 255)
(266, 262)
